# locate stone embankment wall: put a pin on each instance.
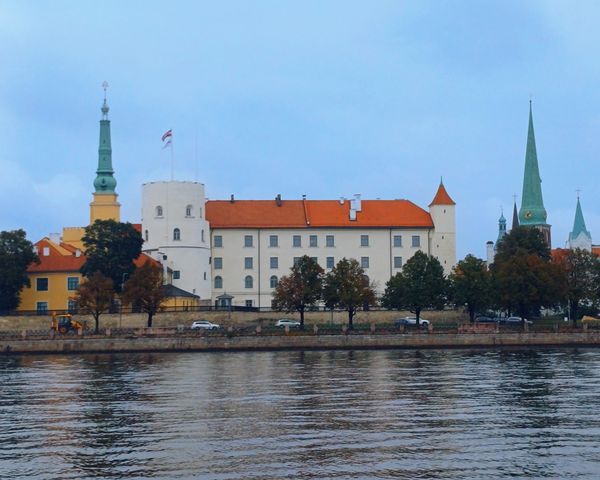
(172, 319)
(177, 343)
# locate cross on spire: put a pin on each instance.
(104, 108)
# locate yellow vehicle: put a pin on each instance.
(64, 323)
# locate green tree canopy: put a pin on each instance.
(347, 287)
(145, 289)
(421, 284)
(581, 270)
(110, 248)
(522, 240)
(16, 254)
(94, 296)
(470, 284)
(300, 289)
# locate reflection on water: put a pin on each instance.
(305, 415)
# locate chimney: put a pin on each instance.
(232, 199)
(78, 253)
(278, 199)
(55, 238)
(342, 199)
(352, 214)
(357, 202)
(304, 197)
(490, 253)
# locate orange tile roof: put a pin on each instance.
(56, 261)
(596, 249)
(442, 197)
(315, 214)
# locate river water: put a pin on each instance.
(302, 415)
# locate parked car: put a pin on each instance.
(204, 324)
(287, 322)
(485, 319)
(513, 321)
(412, 321)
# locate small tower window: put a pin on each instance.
(200, 212)
(176, 234)
(248, 282)
(218, 282)
(188, 211)
(159, 211)
(273, 281)
(146, 235)
(202, 235)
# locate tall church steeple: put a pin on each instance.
(105, 205)
(532, 212)
(580, 237)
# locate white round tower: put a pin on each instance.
(177, 234)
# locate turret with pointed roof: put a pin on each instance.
(501, 227)
(532, 212)
(443, 241)
(441, 196)
(515, 219)
(580, 237)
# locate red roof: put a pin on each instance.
(442, 197)
(314, 213)
(58, 261)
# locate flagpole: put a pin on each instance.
(172, 160)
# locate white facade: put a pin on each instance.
(443, 239)
(249, 270)
(177, 234)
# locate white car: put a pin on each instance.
(287, 322)
(412, 321)
(204, 324)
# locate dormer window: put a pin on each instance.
(159, 211)
(188, 211)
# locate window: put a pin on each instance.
(72, 283)
(314, 259)
(218, 263)
(249, 303)
(296, 241)
(200, 212)
(159, 211)
(176, 274)
(312, 241)
(296, 260)
(248, 281)
(273, 241)
(41, 285)
(330, 262)
(273, 281)
(41, 307)
(176, 234)
(146, 235)
(188, 211)
(397, 240)
(218, 241)
(274, 262)
(248, 241)
(416, 241)
(72, 306)
(364, 262)
(364, 240)
(204, 279)
(218, 282)
(202, 235)
(248, 263)
(330, 241)
(397, 262)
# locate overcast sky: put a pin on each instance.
(326, 99)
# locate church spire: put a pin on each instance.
(532, 204)
(515, 219)
(580, 237)
(105, 182)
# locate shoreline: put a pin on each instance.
(202, 343)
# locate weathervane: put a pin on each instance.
(104, 105)
(578, 192)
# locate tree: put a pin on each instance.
(16, 254)
(110, 248)
(581, 270)
(145, 289)
(94, 296)
(421, 284)
(301, 289)
(470, 284)
(347, 287)
(524, 279)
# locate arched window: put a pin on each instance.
(202, 235)
(188, 211)
(248, 281)
(159, 212)
(273, 281)
(218, 282)
(146, 235)
(176, 234)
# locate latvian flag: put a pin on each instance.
(166, 138)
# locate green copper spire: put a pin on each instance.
(532, 204)
(105, 182)
(579, 224)
(501, 227)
